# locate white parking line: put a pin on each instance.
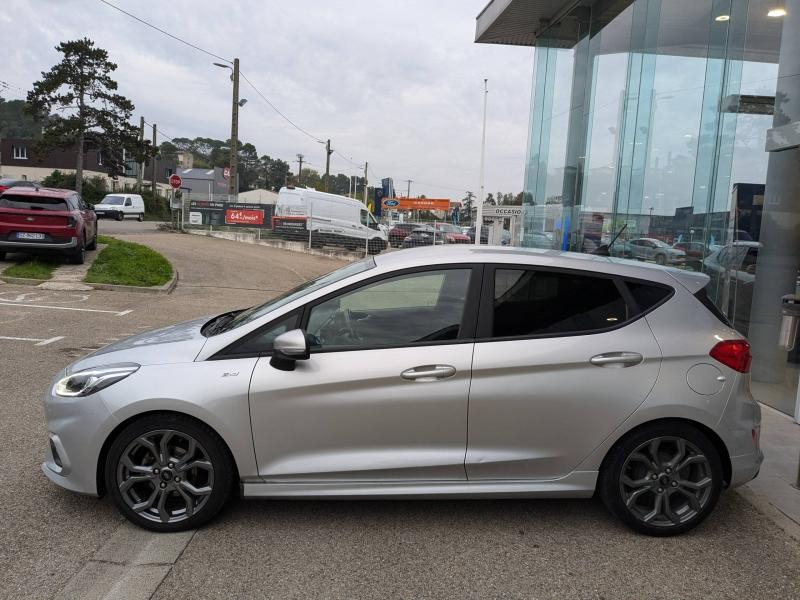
(91, 310)
(40, 341)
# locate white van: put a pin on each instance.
(121, 206)
(332, 220)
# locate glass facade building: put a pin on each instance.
(674, 125)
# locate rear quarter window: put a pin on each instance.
(25, 202)
(647, 296)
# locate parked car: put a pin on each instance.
(732, 269)
(121, 206)
(423, 236)
(7, 183)
(399, 232)
(505, 236)
(330, 220)
(41, 220)
(572, 374)
(695, 253)
(451, 233)
(621, 249)
(659, 252)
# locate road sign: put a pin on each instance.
(226, 172)
(175, 181)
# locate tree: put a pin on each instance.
(15, 122)
(489, 199)
(466, 204)
(87, 108)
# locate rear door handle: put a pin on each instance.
(427, 373)
(618, 360)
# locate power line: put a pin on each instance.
(167, 33)
(275, 108)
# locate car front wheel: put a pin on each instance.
(663, 479)
(168, 473)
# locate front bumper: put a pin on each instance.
(77, 428)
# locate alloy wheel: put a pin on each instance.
(666, 481)
(165, 476)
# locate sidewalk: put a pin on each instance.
(774, 489)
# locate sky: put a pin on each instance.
(397, 83)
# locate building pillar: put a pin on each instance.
(779, 255)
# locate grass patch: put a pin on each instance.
(126, 263)
(35, 268)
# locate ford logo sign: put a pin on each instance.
(390, 203)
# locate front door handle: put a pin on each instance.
(427, 373)
(618, 360)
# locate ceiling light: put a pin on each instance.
(722, 18)
(777, 12)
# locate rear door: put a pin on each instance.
(560, 360)
(383, 396)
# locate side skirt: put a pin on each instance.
(579, 484)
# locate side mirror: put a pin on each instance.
(288, 348)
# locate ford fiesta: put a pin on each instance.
(572, 375)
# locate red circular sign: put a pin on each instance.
(175, 181)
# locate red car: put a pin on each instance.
(37, 220)
(452, 234)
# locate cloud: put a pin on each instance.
(398, 84)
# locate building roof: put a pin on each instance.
(259, 196)
(210, 174)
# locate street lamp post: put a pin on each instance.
(234, 155)
(479, 216)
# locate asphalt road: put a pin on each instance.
(50, 538)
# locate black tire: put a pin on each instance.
(616, 464)
(661, 259)
(141, 217)
(120, 216)
(207, 440)
(93, 244)
(375, 246)
(2, 255)
(79, 256)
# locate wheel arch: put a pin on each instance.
(103, 455)
(712, 436)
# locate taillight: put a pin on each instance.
(734, 354)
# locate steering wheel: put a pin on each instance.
(349, 322)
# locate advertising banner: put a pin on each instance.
(230, 214)
(417, 203)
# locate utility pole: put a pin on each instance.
(234, 160)
(366, 170)
(300, 158)
(154, 160)
(408, 190)
(328, 153)
(140, 173)
(479, 216)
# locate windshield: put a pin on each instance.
(448, 228)
(113, 200)
(256, 312)
(660, 244)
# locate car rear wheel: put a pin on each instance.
(663, 479)
(79, 257)
(141, 217)
(93, 244)
(168, 473)
(2, 255)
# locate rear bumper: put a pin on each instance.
(23, 246)
(745, 468)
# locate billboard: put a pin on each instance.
(442, 204)
(230, 214)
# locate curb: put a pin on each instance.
(249, 238)
(766, 508)
(167, 288)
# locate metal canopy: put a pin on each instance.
(518, 22)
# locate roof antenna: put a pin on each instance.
(605, 249)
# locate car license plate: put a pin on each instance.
(24, 235)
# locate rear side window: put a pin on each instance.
(646, 295)
(529, 302)
(702, 296)
(32, 202)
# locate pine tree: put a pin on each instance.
(77, 102)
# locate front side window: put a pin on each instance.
(529, 302)
(128, 202)
(407, 309)
(262, 341)
(364, 217)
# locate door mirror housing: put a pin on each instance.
(288, 348)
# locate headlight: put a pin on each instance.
(89, 381)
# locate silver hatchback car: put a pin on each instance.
(433, 372)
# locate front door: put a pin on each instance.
(561, 360)
(383, 395)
